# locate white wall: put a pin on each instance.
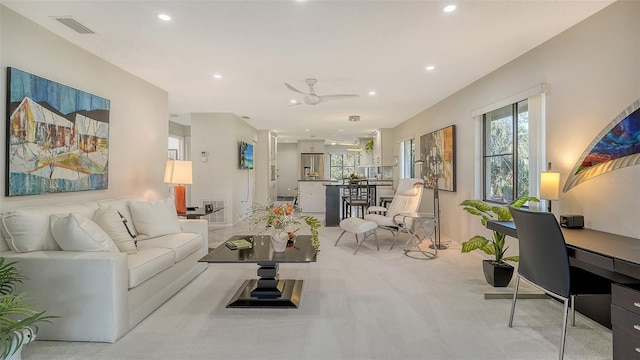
(138, 115)
(220, 177)
(593, 70)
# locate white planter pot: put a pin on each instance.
(18, 340)
(279, 239)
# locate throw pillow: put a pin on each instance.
(28, 230)
(76, 232)
(122, 205)
(154, 218)
(114, 224)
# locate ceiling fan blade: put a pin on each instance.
(294, 89)
(338, 97)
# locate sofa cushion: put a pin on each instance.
(76, 232)
(154, 218)
(114, 225)
(181, 244)
(147, 263)
(28, 230)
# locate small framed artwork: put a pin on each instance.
(437, 151)
(173, 154)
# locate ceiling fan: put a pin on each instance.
(312, 98)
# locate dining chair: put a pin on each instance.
(358, 197)
(544, 263)
(406, 199)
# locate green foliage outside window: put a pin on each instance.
(505, 178)
(342, 165)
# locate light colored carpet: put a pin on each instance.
(374, 305)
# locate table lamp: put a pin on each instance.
(179, 172)
(549, 185)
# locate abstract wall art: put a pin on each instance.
(615, 147)
(57, 137)
(437, 152)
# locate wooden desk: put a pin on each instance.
(615, 257)
(612, 256)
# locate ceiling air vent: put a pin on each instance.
(74, 25)
(246, 117)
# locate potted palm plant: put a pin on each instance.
(496, 270)
(18, 319)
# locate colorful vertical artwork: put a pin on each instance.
(57, 137)
(615, 147)
(437, 152)
(246, 155)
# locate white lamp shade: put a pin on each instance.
(178, 172)
(549, 185)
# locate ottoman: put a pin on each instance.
(357, 226)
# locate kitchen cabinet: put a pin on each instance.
(383, 147)
(366, 158)
(311, 146)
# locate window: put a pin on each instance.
(506, 153)
(343, 165)
(407, 157)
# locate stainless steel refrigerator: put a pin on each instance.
(311, 166)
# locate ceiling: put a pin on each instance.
(351, 47)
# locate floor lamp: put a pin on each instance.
(433, 164)
(549, 185)
(179, 173)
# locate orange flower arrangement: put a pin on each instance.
(281, 217)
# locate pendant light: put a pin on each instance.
(356, 146)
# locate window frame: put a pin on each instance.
(515, 142)
(401, 160)
(536, 96)
(356, 158)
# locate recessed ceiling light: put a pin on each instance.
(449, 8)
(217, 76)
(164, 17)
(293, 101)
(372, 92)
(340, 130)
(430, 67)
(307, 130)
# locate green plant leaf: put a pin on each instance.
(519, 202)
(496, 245)
(473, 211)
(476, 242)
(502, 212)
(511, 258)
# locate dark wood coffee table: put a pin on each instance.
(268, 291)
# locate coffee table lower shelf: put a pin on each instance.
(290, 298)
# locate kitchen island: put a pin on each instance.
(324, 196)
(311, 195)
(333, 198)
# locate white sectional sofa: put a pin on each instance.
(100, 291)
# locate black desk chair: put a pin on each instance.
(544, 262)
